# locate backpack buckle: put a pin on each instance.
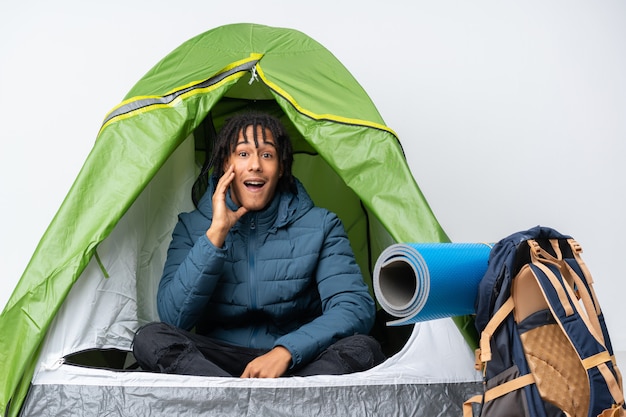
(534, 246)
(478, 363)
(575, 246)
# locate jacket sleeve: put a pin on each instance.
(347, 307)
(190, 274)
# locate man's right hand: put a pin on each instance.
(223, 217)
(270, 365)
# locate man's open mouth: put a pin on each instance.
(254, 185)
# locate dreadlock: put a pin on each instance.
(226, 143)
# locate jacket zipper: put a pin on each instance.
(252, 279)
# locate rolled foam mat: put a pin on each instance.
(426, 281)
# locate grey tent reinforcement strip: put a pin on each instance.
(151, 101)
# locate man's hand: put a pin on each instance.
(271, 365)
(223, 217)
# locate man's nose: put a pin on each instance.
(255, 162)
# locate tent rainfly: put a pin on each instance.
(66, 331)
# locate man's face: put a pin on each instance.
(257, 169)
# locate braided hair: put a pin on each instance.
(226, 143)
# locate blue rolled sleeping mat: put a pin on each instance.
(426, 281)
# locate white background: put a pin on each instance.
(511, 113)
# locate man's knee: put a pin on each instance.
(150, 341)
(360, 351)
(351, 354)
(146, 335)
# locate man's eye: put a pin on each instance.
(267, 155)
(243, 154)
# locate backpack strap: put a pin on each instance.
(491, 327)
(497, 391)
(571, 280)
(568, 303)
(541, 259)
(568, 289)
(593, 301)
(576, 251)
(483, 355)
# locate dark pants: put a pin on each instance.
(160, 347)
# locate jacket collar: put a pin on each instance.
(284, 208)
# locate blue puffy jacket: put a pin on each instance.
(285, 276)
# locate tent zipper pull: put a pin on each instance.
(55, 365)
(253, 76)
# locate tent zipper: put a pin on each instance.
(143, 102)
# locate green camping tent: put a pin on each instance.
(338, 135)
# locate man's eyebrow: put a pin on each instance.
(247, 142)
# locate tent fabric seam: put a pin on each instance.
(319, 117)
